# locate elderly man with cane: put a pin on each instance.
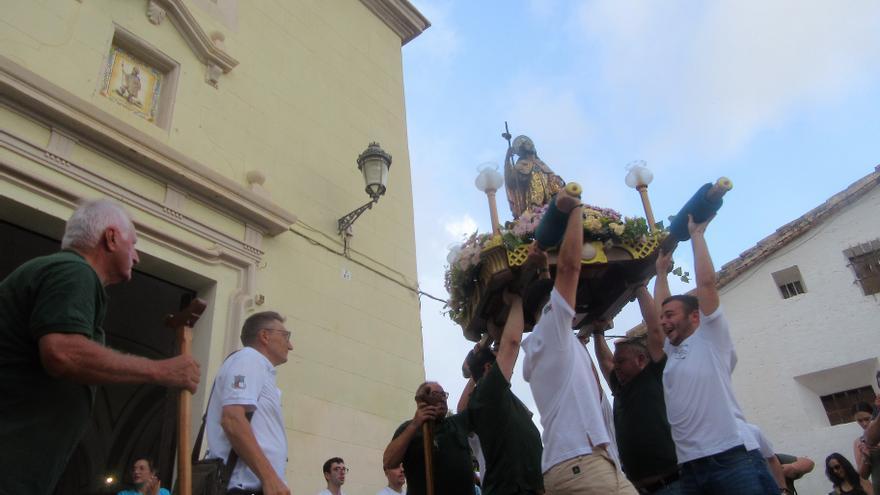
(52, 350)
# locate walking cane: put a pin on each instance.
(183, 322)
(428, 435)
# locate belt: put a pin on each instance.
(697, 462)
(654, 485)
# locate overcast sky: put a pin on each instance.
(780, 96)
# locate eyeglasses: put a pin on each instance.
(285, 333)
(341, 469)
(434, 393)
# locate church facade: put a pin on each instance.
(230, 130)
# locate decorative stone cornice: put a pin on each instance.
(22, 89)
(399, 15)
(208, 49)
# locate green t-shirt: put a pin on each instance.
(510, 441)
(43, 418)
(643, 437)
(453, 469)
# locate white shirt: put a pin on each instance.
(388, 491)
(247, 378)
(561, 377)
(327, 492)
(754, 439)
(698, 391)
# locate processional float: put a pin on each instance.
(618, 254)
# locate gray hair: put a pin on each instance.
(88, 223)
(255, 323)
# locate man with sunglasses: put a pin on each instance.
(452, 466)
(244, 411)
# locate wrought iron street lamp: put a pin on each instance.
(374, 164)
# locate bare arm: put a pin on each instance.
(74, 357)
(568, 264)
(466, 395)
(652, 323)
(603, 353)
(656, 337)
(863, 462)
(866, 485)
(396, 449)
(776, 471)
(241, 436)
(872, 433)
(707, 292)
(798, 468)
(511, 338)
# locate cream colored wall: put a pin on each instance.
(317, 81)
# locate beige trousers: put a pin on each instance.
(593, 474)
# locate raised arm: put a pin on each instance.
(652, 323)
(568, 264)
(661, 283)
(707, 292)
(656, 337)
(74, 357)
(511, 337)
(872, 433)
(603, 352)
(465, 395)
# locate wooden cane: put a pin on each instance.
(183, 322)
(428, 436)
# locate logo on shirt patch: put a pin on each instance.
(547, 308)
(238, 382)
(680, 352)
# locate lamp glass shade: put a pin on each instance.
(375, 175)
(489, 179)
(639, 174)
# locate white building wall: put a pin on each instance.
(792, 351)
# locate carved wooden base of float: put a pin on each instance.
(609, 274)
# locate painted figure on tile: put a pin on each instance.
(131, 85)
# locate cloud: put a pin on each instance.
(461, 228)
(719, 73)
(440, 42)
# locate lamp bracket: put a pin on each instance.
(347, 221)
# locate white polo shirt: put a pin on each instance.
(698, 391)
(560, 374)
(247, 378)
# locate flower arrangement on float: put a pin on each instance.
(603, 225)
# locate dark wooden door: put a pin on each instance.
(128, 421)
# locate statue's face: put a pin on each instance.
(523, 145)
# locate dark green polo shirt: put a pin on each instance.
(43, 418)
(510, 441)
(643, 436)
(453, 467)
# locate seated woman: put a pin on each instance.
(844, 477)
(146, 479)
(867, 457)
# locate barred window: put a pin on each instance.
(838, 406)
(865, 262)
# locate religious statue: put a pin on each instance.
(529, 181)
